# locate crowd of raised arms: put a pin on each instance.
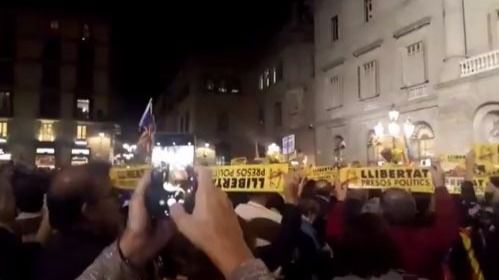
(72, 224)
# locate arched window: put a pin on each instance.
(373, 148)
(423, 141)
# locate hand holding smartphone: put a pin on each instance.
(172, 178)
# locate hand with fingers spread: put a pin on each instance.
(213, 226)
(141, 241)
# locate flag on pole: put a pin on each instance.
(147, 127)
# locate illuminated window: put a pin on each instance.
(54, 24)
(210, 85)
(266, 74)
(3, 129)
(260, 82)
(222, 86)
(82, 109)
(85, 32)
(81, 132)
(46, 133)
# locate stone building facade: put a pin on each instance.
(436, 62)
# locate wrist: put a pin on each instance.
(228, 257)
(131, 251)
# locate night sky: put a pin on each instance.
(149, 41)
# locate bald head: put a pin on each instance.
(80, 196)
(73, 181)
(398, 206)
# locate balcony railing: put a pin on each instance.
(480, 63)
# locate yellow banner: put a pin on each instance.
(452, 162)
(326, 173)
(487, 158)
(127, 177)
(250, 178)
(239, 161)
(453, 184)
(412, 179)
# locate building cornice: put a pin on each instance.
(367, 48)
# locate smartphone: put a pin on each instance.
(172, 177)
(425, 162)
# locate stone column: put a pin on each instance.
(455, 46)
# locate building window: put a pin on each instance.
(50, 104)
(54, 24)
(85, 66)
(187, 122)
(279, 71)
(4, 129)
(373, 149)
(267, 77)
(85, 32)
(424, 141)
(81, 132)
(368, 10)
(210, 85)
(414, 64)
(335, 92)
(222, 86)
(181, 124)
(278, 114)
(83, 107)
(5, 104)
(7, 36)
(46, 133)
(223, 121)
(335, 31)
(368, 80)
(261, 116)
(234, 86)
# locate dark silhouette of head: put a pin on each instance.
(81, 198)
(366, 249)
(398, 206)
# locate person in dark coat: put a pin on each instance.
(16, 258)
(86, 216)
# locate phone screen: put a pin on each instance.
(425, 162)
(172, 178)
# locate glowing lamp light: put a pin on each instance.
(393, 129)
(379, 130)
(206, 145)
(273, 149)
(409, 128)
(393, 115)
(101, 134)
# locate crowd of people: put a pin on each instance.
(72, 224)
